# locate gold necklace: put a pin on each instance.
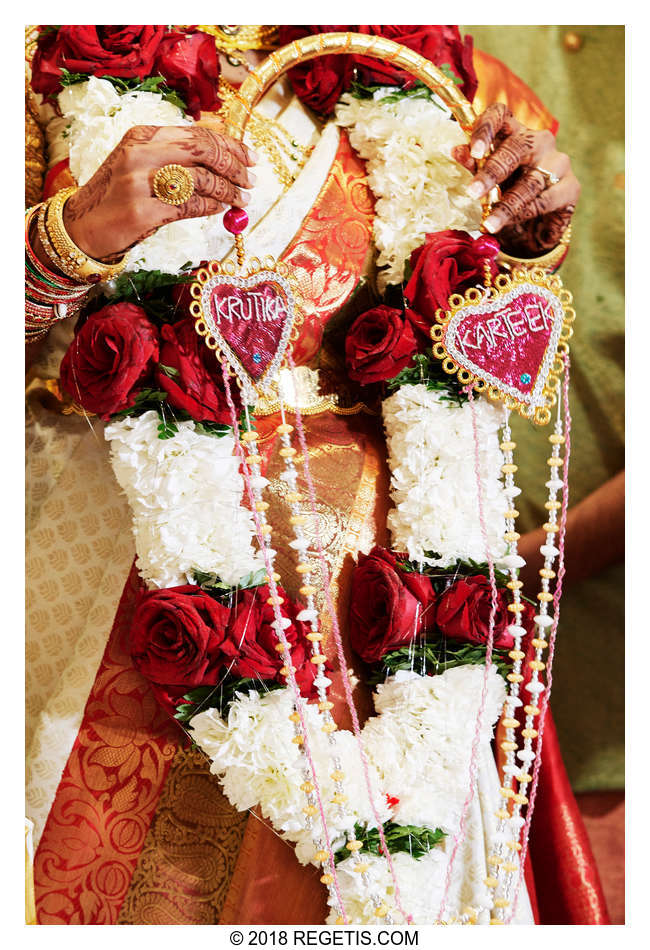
(286, 155)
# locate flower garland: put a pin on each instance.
(186, 497)
(407, 144)
(433, 490)
(206, 634)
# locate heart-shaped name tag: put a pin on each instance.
(249, 321)
(507, 339)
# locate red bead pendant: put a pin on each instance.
(235, 220)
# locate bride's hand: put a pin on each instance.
(534, 209)
(117, 207)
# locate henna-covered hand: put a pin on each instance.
(117, 207)
(531, 215)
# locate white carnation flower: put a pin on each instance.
(253, 755)
(98, 116)
(186, 497)
(433, 480)
(421, 741)
(420, 188)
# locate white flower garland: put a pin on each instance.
(186, 497)
(418, 748)
(251, 753)
(433, 483)
(420, 188)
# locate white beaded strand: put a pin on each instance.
(255, 481)
(507, 830)
(543, 621)
(310, 615)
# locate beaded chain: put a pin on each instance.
(553, 630)
(322, 681)
(255, 482)
(503, 867)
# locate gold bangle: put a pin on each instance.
(70, 258)
(548, 261)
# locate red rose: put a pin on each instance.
(448, 262)
(178, 639)
(463, 613)
(320, 82)
(388, 607)
(254, 639)
(190, 65)
(196, 382)
(109, 358)
(378, 345)
(439, 44)
(126, 51)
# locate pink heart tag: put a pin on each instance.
(509, 341)
(251, 319)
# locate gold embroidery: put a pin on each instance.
(184, 870)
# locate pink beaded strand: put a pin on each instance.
(280, 632)
(460, 834)
(339, 644)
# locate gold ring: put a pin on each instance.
(173, 184)
(550, 178)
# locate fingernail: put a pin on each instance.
(244, 198)
(254, 156)
(251, 179)
(475, 189)
(492, 223)
(478, 149)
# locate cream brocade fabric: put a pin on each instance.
(80, 547)
(79, 552)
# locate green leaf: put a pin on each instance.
(428, 370)
(221, 696)
(205, 579)
(170, 371)
(243, 424)
(435, 657)
(417, 90)
(131, 84)
(460, 568)
(253, 579)
(410, 839)
(145, 400)
(216, 429)
(450, 74)
(167, 429)
(135, 286)
(70, 79)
